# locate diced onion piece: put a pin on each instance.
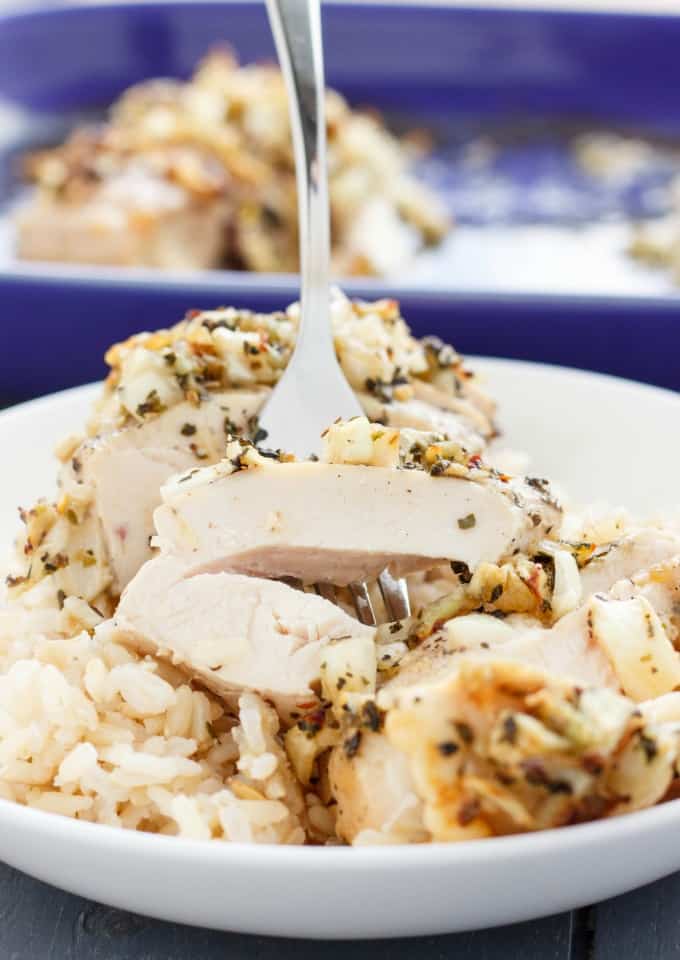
(600, 720)
(390, 654)
(78, 612)
(475, 629)
(645, 767)
(65, 449)
(303, 748)
(664, 709)
(530, 738)
(632, 636)
(567, 590)
(437, 613)
(349, 666)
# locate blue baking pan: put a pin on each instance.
(529, 77)
(54, 335)
(430, 58)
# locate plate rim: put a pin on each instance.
(492, 850)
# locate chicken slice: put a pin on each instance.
(127, 468)
(222, 139)
(311, 521)
(624, 639)
(236, 633)
(344, 520)
(566, 649)
(532, 767)
(497, 748)
(97, 536)
(626, 557)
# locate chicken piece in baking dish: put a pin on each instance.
(201, 175)
(174, 396)
(493, 726)
(166, 208)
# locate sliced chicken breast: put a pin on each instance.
(573, 676)
(170, 400)
(624, 640)
(566, 649)
(497, 748)
(235, 633)
(126, 469)
(339, 522)
(623, 559)
(97, 536)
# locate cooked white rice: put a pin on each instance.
(90, 730)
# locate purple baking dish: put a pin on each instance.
(432, 64)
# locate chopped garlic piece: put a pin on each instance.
(360, 442)
(635, 641)
(146, 387)
(65, 449)
(349, 667)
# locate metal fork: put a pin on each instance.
(313, 391)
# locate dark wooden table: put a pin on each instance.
(38, 922)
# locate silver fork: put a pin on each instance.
(313, 391)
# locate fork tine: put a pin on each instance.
(362, 603)
(395, 594)
(327, 591)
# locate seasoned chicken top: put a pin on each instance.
(172, 399)
(400, 379)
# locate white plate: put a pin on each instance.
(602, 438)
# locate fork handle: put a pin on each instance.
(296, 26)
